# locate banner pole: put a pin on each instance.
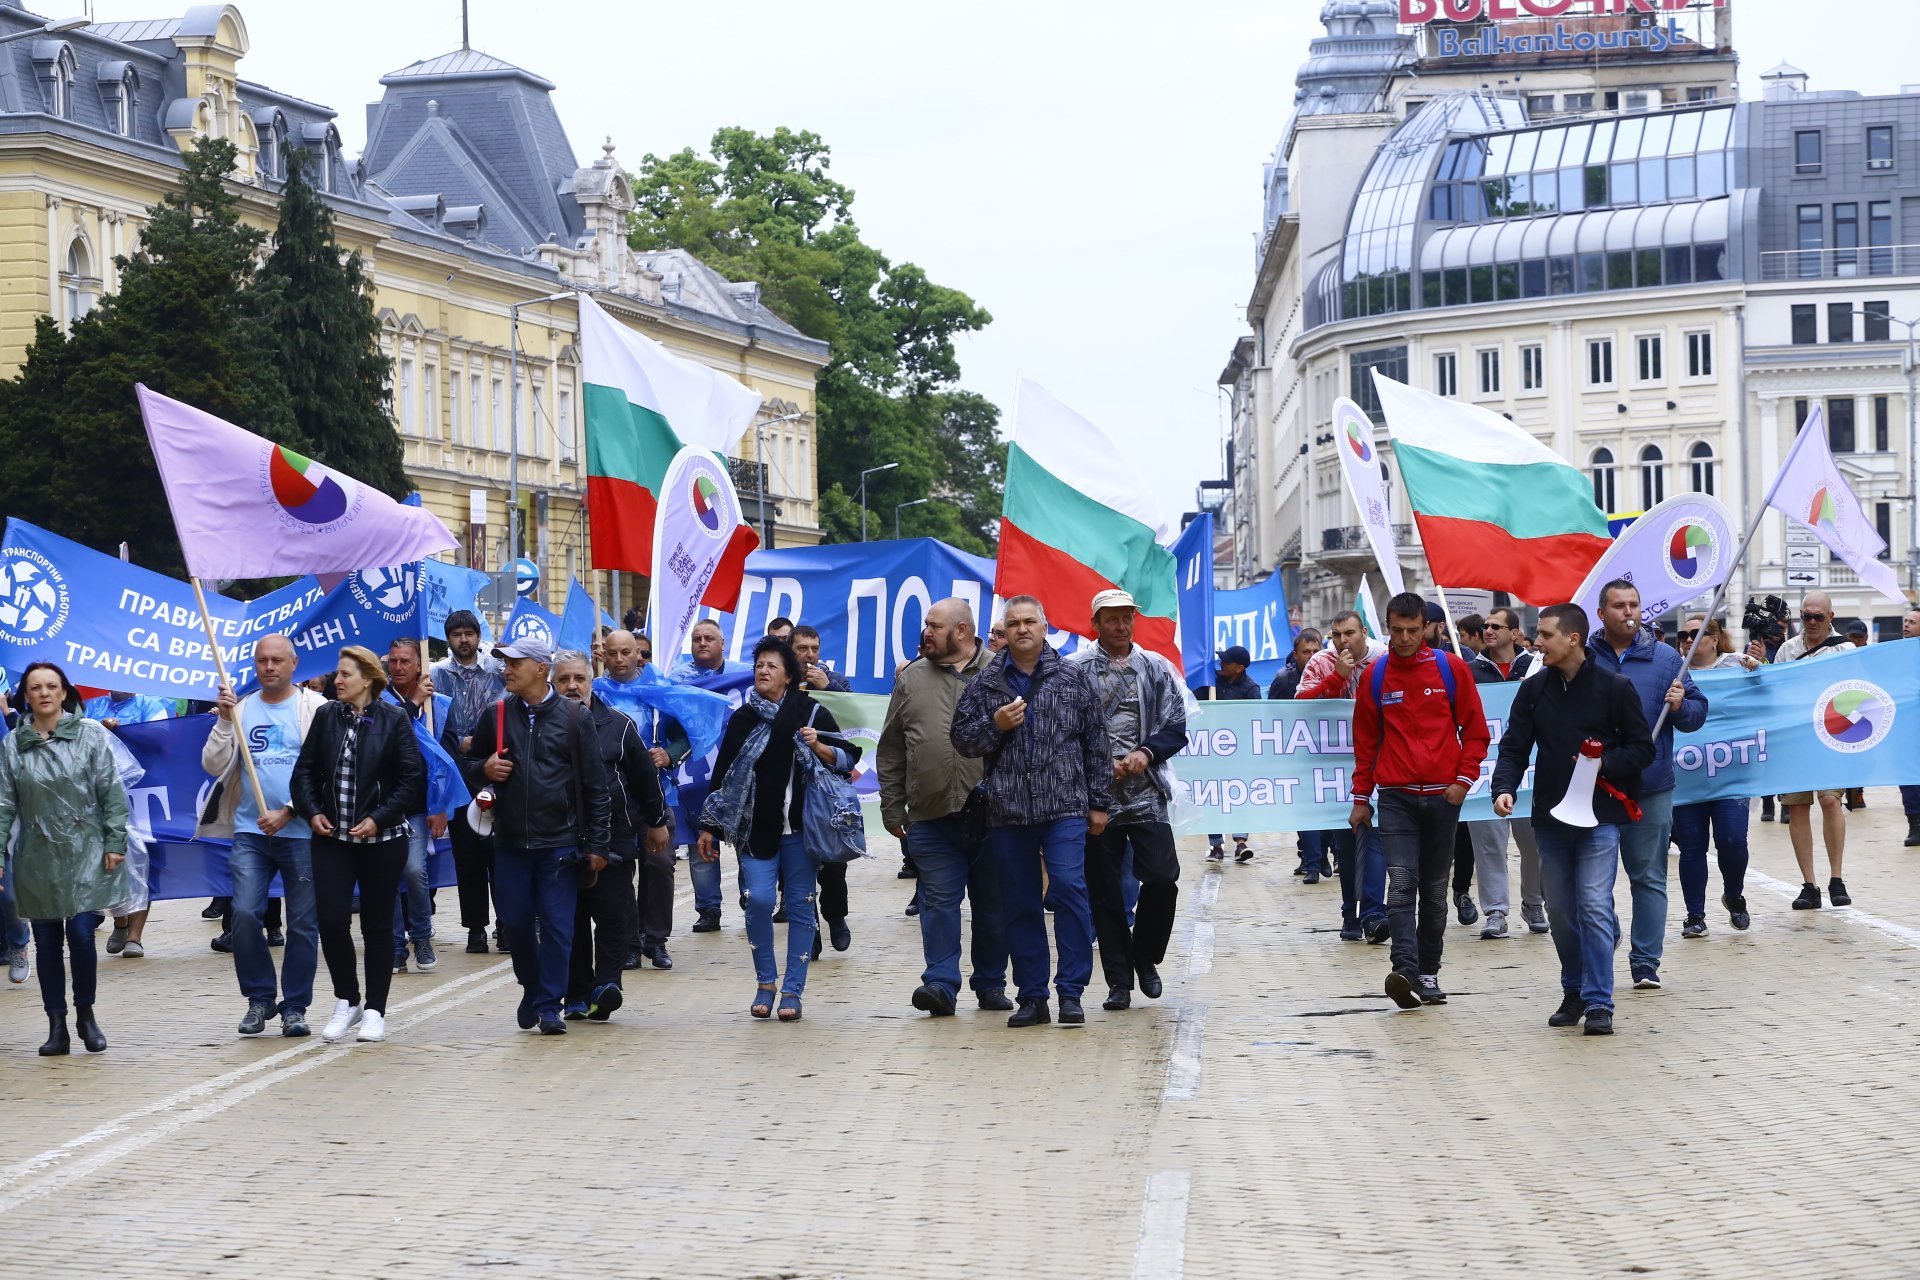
(1452, 630)
(420, 612)
(220, 668)
(1719, 598)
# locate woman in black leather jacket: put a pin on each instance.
(358, 777)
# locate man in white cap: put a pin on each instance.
(1141, 696)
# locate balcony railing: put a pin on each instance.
(1840, 264)
(749, 478)
(1353, 538)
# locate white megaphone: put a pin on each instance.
(480, 812)
(1576, 807)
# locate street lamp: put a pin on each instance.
(1913, 445)
(760, 456)
(863, 493)
(58, 27)
(902, 507)
(513, 415)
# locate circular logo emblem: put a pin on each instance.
(1359, 435)
(309, 496)
(1853, 715)
(33, 597)
(1692, 553)
(530, 626)
(706, 502)
(388, 592)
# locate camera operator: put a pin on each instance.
(1815, 641)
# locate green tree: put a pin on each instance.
(763, 208)
(189, 322)
(329, 341)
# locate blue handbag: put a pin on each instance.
(834, 828)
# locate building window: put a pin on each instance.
(1840, 425)
(476, 433)
(1578, 101)
(1839, 322)
(1446, 374)
(1703, 93)
(1700, 353)
(429, 408)
(1799, 415)
(1810, 239)
(497, 415)
(1600, 362)
(1603, 470)
(1880, 423)
(1879, 147)
(1533, 367)
(1653, 477)
(1700, 464)
(453, 407)
(60, 85)
(79, 288)
(1647, 357)
(1806, 151)
(407, 423)
(1880, 238)
(1539, 104)
(1390, 361)
(563, 411)
(1846, 239)
(1883, 525)
(1874, 322)
(1489, 361)
(1806, 324)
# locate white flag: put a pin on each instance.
(1360, 464)
(698, 511)
(1811, 489)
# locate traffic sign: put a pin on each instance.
(1798, 535)
(526, 576)
(1799, 557)
(1803, 578)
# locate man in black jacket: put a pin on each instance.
(531, 750)
(1566, 710)
(603, 922)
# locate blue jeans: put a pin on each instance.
(413, 905)
(254, 859)
(952, 867)
(1643, 853)
(1363, 876)
(1577, 869)
(529, 885)
(763, 881)
(705, 876)
(1017, 856)
(14, 932)
(1313, 850)
(1727, 820)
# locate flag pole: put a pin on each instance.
(220, 667)
(1451, 629)
(420, 613)
(1720, 594)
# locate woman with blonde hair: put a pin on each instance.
(358, 777)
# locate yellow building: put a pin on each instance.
(469, 206)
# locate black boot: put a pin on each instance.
(59, 1043)
(1913, 832)
(88, 1030)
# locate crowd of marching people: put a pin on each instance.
(1026, 782)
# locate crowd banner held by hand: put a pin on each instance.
(1360, 467)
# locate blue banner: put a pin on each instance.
(450, 588)
(867, 599)
(113, 625)
(1255, 617)
(1193, 559)
(530, 620)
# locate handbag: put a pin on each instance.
(830, 817)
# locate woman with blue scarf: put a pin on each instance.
(757, 807)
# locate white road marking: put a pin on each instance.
(1161, 1253)
(1898, 932)
(1200, 950)
(1210, 890)
(1184, 1066)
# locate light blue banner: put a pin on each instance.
(1819, 723)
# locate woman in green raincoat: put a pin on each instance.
(57, 777)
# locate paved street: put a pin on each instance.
(1271, 1116)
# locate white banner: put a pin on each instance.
(1360, 464)
(1681, 550)
(698, 511)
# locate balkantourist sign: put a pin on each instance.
(1564, 37)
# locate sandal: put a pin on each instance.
(762, 1006)
(790, 1007)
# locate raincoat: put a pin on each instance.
(65, 790)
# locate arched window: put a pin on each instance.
(79, 287)
(1701, 461)
(1601, 467)
(1653, 477)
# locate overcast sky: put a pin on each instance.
(1089, 173)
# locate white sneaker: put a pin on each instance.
(373, 1025)
(345, 1018)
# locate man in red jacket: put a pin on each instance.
(1419, 736)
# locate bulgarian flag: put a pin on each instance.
(1077, 521)
(1496, 508)
(643, 404)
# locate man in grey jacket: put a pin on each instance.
(1038, 723)
(925, 783)
(1146, 726)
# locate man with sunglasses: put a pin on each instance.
(1815, 641)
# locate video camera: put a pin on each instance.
(1765, 620)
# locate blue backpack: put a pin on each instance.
(1378, 678)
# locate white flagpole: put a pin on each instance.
(239, 731)
(1451, 629)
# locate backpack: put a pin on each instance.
(1378, 679)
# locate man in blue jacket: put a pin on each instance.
(1658, 674)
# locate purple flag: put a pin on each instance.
(246, 507)
(1680, 550)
